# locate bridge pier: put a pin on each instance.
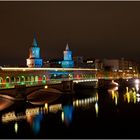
(67, 86)
(20, 91)
(104, 83)
(64, 86)
(85, 85)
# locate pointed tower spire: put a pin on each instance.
(67, 47)
(34, 41)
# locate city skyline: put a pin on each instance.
(92, 29)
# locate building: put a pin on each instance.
(122, 64)
(67, 60)
(111, 64)
(78, 61)
(98, 64)
(89, 63)
(34, 59)
(55, 63)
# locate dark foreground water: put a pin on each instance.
(88, 113)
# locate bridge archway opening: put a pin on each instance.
(43, 79)
(36, 78)
(13, 79)
(1, 80)
(32, 78)
(22, 80)
(7, 79)
(18, 79)
(28, 79)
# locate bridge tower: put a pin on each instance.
(34, 59)
(67, 62)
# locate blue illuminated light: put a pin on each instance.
(67, 62)
(36, 123)
(68, 112)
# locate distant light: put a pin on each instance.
(46, 87)
(137, 81)
(138, 99)
(138, 95)
(59, 62)
(115, 83)
(90, 61)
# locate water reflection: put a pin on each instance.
(67, 113)
(114, 94)
(54, 108)
(96, 109)
(5, 102)
(16, 127)
(131, 94)
(37, 122)
(34, 115)
(85, 101)
(75, 111)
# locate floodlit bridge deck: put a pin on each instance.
(11, 76)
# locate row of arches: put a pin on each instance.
(22, 78)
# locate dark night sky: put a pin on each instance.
(92, 29)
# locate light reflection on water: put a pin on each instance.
(66, 112)
(115, 95)
(34, 115)
(131, 94)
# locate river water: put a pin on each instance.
(89, 113)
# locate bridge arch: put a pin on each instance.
(36, 78)
(28, 79)
(32, 79)
(18, 79)
(44, 79)
(1, 80)
(13, 79)
(7, 79)
(22, 79)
